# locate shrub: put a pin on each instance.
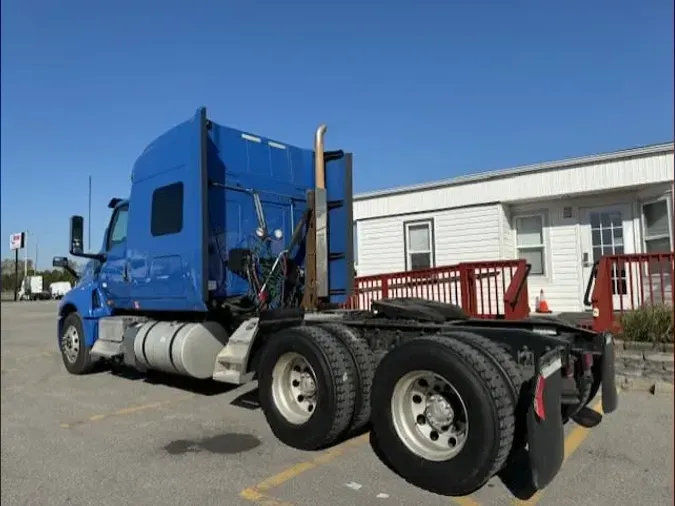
(653, 323)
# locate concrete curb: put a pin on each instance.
(640, 346)
(645, 366)
(629, 383)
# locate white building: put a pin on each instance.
(559, 216)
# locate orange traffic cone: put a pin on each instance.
(541, 306)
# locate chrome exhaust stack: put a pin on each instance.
(321, 213)
(319, 162)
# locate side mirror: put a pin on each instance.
(65, 265)
(60, 262)
(77, 240)
(76, 235)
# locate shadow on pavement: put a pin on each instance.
(588, 418)
(248, 400)
(206, 387)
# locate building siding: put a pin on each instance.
(507, 245)
(484, 233)
(380, 246)
(565, 284)
(474, 221)
(460, 235)
(591, 178)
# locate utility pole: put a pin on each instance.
(25, 253)
(89, 219)
(16, 274)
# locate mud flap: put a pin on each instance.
(610, 397)
(546, 439)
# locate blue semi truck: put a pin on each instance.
(231, 259)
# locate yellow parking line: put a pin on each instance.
(253, 495)
(259, 493)
(464, 501)
(126, 411)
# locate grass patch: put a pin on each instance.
(651, 324)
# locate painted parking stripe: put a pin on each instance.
(126, 411)
(260, 493)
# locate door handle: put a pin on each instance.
(125, 273)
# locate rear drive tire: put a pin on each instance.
(307, 387)
(472, 400)
(74, 351)
(365, 370)
(512, 373)
(378, 356)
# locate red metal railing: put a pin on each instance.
(625, 282)
(496, 289)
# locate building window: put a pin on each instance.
(419, 245)
(530, 242)
(167, 210)
(657, 227)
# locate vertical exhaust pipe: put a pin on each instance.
(319, 163)
(321, 214)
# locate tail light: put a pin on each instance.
(546, 371)
(539, 398)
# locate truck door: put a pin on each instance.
(114, 271)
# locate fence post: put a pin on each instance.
(384, 284)
(467, 287)
(517, 298)
(602, 297)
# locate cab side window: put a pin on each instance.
(167, 210)
(118, 228)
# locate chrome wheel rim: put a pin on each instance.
(70, 344)
(294, 388)
(429, 416)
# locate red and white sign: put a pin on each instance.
(16, 241)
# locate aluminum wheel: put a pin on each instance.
(70, 344)
(294, 388)
(429, 416)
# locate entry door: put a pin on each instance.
(607, 231)
(114, 271)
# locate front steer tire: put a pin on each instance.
(336, 383)
(489, 405)
(73, 329)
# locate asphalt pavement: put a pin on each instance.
(113, 438)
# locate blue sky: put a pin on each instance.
(417, 91)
